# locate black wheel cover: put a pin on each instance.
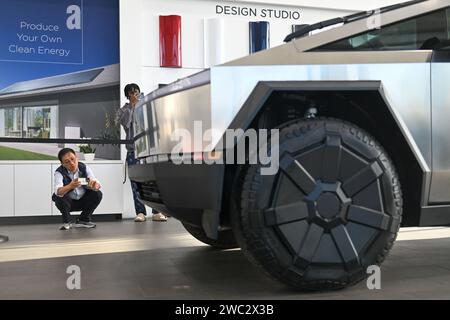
(332, 210)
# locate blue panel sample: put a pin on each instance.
(259, 36)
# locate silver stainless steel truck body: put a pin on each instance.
(360, 72)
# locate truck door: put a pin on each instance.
(440, 118)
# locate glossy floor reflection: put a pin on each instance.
(153, 260)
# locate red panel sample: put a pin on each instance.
(170, 41)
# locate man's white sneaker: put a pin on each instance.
(65, 226)
(140, 218)
(84, 224)
(159, 217)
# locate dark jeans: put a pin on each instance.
(87, 204)
(138, 204)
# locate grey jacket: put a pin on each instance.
(125, 116)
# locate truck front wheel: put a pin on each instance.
(332, 210)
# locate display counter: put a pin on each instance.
(27, 186)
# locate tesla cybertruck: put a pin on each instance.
(361, 114)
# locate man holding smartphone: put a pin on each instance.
(125, 118)
(76, 189)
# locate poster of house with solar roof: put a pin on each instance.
(59, 74)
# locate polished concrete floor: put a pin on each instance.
(159, 260)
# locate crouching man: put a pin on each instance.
(76, 189)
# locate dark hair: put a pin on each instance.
(63, 152)
(130, 87)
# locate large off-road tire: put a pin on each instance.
(333, 209)
(226, 239)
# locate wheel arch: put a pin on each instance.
(363, 103)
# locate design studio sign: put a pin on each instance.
(266, 13)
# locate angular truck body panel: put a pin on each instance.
(413, 85)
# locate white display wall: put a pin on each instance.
(208, 36)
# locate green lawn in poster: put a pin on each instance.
(15, 154)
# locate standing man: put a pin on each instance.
(76, 189)
(125, 118)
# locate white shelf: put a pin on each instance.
(32, 189)
(7, 191)
(57, 162)
(27, 187)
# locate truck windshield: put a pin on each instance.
(347, 19)
(425, 32)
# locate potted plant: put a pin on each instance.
(110, 132)
(88, 151)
